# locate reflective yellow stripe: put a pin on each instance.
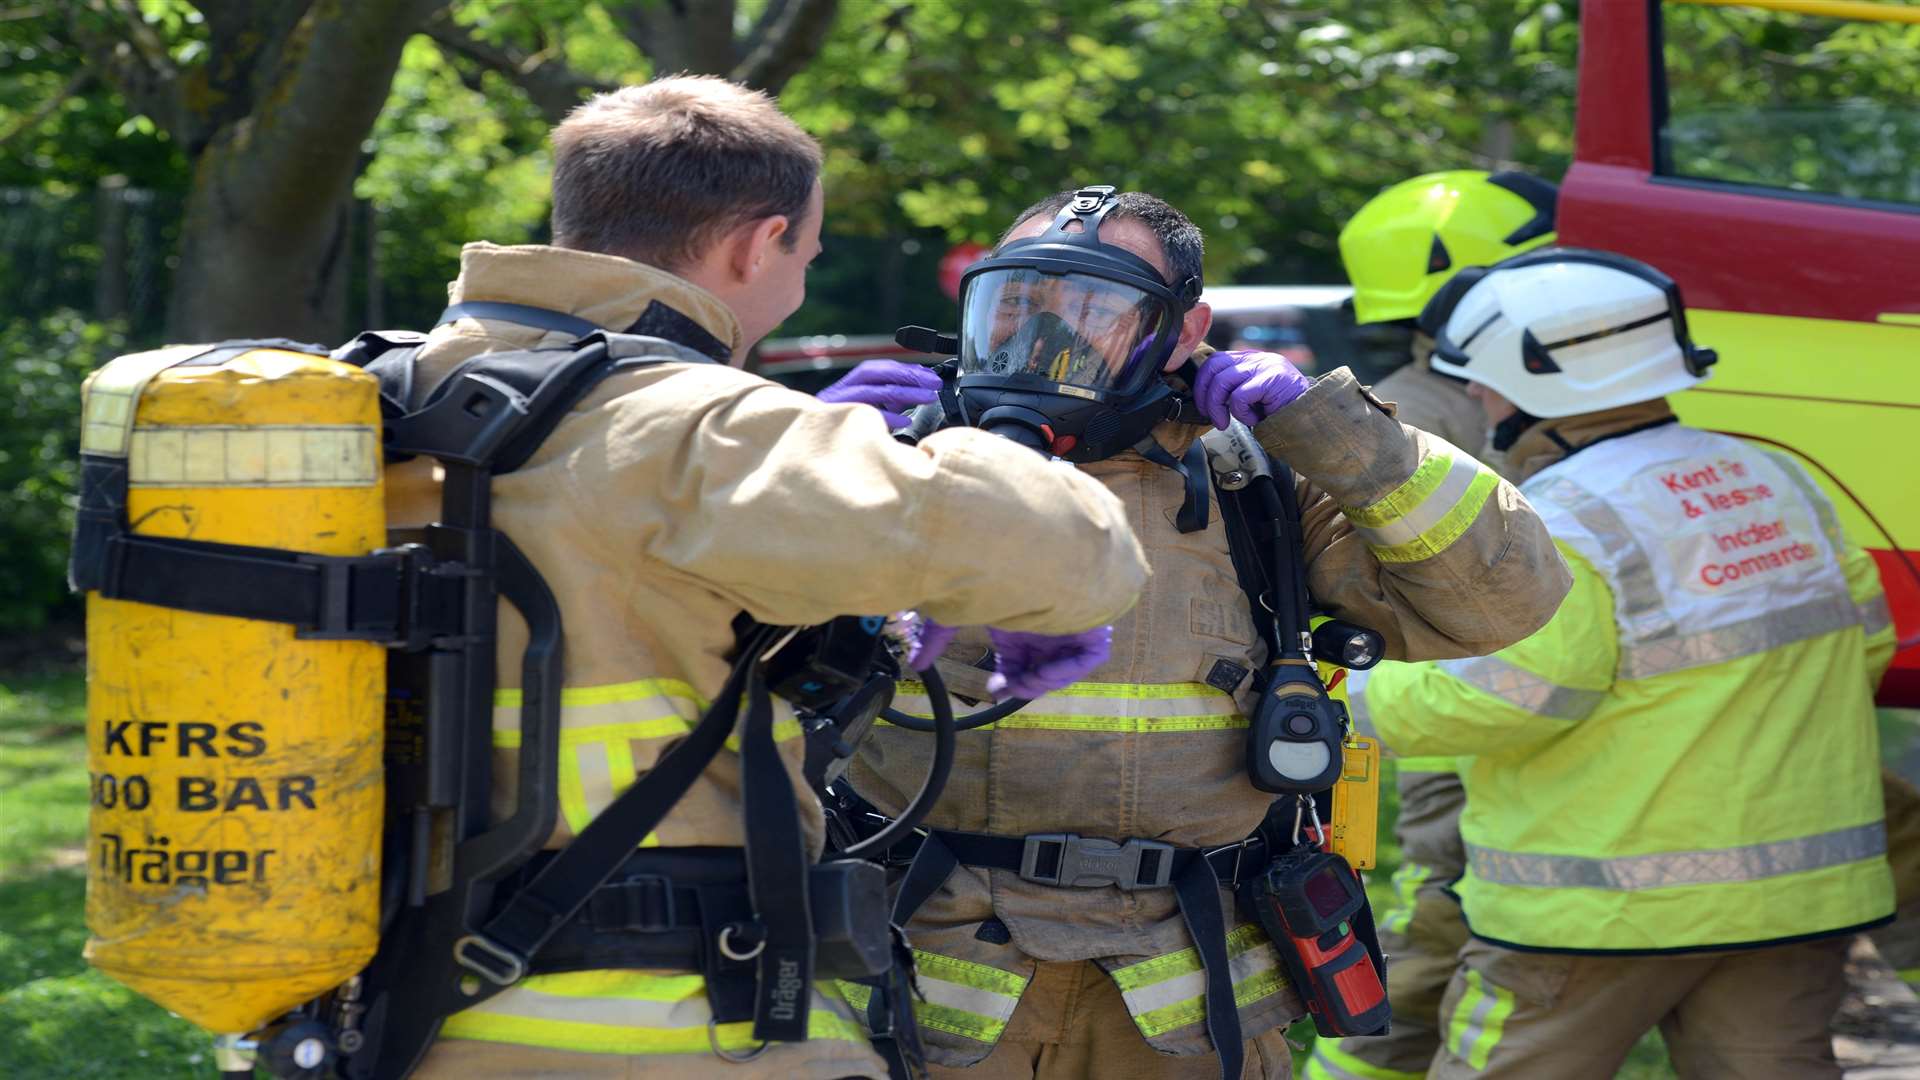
(609, 693)
(627, 1012)
(1329, 1062)
(1477, 1021)
(1406, 884)
(960, 997)
(509, 738)
(597, 758)
(1126, 707)
(1169, 992)
(110, 397)
(1417, 489)
(1449, 527)
(1432, 764)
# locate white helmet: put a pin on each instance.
(1562, 331)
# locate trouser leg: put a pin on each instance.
(1510, 1015)
(1072, 1024)
(1761, 1015)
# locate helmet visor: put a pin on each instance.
(1072, 329)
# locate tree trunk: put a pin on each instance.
(263, 249)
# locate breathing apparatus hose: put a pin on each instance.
(944, 729)
(990, 714)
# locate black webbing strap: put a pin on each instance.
(776, 877)
(534, 914)
(1192, 467)
(538, 318)
(376, 597)
(1197, 875)
(1199, 895)
(1265, 541)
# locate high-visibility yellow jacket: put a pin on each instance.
(1686, 756)
(675, 496)
(1403, 533)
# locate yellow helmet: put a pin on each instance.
(1409, 239)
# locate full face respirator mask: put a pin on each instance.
(1063, 339)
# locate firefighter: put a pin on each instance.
(1409, 241)
(1402, 247)
(676, 495)
(1674, 812)
(1024, 973)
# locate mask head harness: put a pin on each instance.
(1063, 338)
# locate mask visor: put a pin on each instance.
(1069, 329)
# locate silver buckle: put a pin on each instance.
(464, 954)
(1065, 860)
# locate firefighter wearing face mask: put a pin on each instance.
(1404, 246)
(1032, 964)
(1674, 809)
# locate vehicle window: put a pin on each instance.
(1799, 102)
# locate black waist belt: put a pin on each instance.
(1064, 860)
(651, 914)
(671, 908)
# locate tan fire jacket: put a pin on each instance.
(675, 496)
(1404, 534)
(1435, 404)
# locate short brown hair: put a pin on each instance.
(1180, 239)
(656, 173)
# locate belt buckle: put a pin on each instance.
(1065, 860)
(642, 903)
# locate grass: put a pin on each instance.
(64, 1020)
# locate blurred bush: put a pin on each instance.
(42, 363)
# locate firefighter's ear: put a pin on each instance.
(1193, 331)
(752, 244)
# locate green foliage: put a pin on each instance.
(1800, 102)
(42, 363)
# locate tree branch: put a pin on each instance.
(696, 38)
(769, 16)
(118, 44)
(786, 44)
(552, 86)
(47, 108)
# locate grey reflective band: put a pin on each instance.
(1723, 866)
(1523, 689)
(1829, 522)
(1645, 659)
(1438, 504)
(1633, 569)
(1874, 616)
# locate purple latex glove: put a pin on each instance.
(930, 639)
(1246, 385)
(888, 385)
(1034, 665)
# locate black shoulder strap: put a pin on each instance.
(523, 314)
(1260, 509)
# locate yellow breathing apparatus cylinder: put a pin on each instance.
(236, 772)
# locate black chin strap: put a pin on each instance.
(1508, 431)
(1195, 509)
